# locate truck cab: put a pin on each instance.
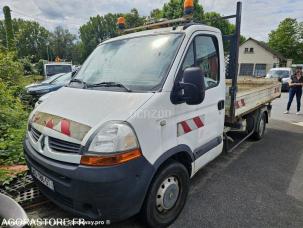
(145, 112)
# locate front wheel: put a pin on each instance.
(166, 196)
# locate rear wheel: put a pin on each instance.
(260, 127)
(166, 196)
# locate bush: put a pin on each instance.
(40, 66)
(13, 114)
(11, 71)
(13, 120)
(28, 67)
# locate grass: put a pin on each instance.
(8, 173)
(29, 79)
(5, 175)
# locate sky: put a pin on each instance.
(259, 17)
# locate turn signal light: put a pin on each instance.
(109, 160)
(188, 7)
(121, 23)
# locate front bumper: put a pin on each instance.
(114, 193)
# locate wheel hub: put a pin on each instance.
(167, 194)
(261, 126)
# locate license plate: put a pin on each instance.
(43, 179)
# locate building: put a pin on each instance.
(256, 58)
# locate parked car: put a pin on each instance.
(283, 74)
(143, 115)
(48, 85)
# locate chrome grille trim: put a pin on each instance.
(63, 146)
(35, 134)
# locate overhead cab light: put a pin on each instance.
(121, 23)
(188, 8)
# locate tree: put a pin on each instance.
(100, 28)
(174, 9)
(31, 39)
(96, 30)
(133, 19)
(156, 13)
(77, 53)
(61, 43)
(214, 19)
(288, 39)
(10, 42)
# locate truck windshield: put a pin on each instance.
(140, 64)
(279, 73)
(56, 69)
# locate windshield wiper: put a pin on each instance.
(109, 84)
(79, 81)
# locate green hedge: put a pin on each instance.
(13, 118)
(13, 114)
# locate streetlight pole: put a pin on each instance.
(47, 44)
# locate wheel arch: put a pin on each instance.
(181, 153)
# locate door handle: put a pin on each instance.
(221, 105)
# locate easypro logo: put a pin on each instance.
(52, 222)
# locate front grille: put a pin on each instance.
(35, 134)
(63, 146)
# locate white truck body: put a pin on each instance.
(104, 106)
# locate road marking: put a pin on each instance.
(298, 124)
(295, 187)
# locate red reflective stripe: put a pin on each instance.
(65, 125)
(237, 104)
(185, 127)
(50, 123)
(198, 122)
(243, 102)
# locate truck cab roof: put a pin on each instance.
(59, 63)
(186, 29)
(281, 68)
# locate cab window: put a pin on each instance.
(203, 52)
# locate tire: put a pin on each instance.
(260, 127)
(164, 200)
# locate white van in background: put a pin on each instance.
(283, 74)
(53, 68)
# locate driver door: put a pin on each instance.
(201, 126)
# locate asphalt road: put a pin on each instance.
(260, 184)
(279, 106)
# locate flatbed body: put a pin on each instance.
(252, 93)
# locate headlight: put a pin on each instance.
(115, 143)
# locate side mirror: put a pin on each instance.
(280, 79)
(74, 73)
(193, 86)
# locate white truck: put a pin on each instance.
(144, 114)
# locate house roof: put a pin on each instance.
(267, 48)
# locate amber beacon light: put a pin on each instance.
(121, 23)
(188, 7)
